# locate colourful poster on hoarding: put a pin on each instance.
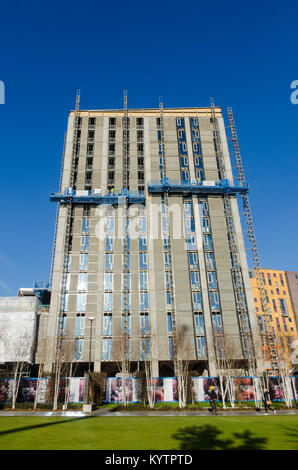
(244, 388)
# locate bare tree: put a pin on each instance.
(63, 368)
(121, 352)
(148, 368)
(180, 357)
(225, 353)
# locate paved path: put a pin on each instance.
(110, 413)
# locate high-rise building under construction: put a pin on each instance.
(148, 243)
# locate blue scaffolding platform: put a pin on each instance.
(42, 290)
(205, 187)
(97, 197)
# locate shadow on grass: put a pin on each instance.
(44, 425)
(207, 437)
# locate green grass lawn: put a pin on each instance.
(151, 433)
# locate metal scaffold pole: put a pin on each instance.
(165, 198)
(269, 338)
(68, 226)
(125, 266)
(236, 269)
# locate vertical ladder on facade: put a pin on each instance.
(57, 215)
(270, 341)
(236, 270)
(169, 270)
(125, 268)
(68, 224)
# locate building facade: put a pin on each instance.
(282, 314)
(154, 259)
(292, 283)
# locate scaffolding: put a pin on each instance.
(269, 337)
(125, 251)
(165, 200)
(236, 269)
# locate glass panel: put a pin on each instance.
(81, 302)
(82, 281)
(80, 325)
(201, 347)
(107, 325)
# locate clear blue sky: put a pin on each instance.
(245, 54)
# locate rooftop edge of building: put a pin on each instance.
(178, 112)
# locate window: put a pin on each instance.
(195, 279)
(201, 347)
(212, 281)
(78, 349)
(65, 306)
(91, 135)
(142, 244)
(170, 325)
(189, 224)
(109, 243)
(168, 299)
(139, 121)
(140, 148)
(123, 281)
(144, 324)
(90, 149)
(143, 261)
(81, 302)
(125, 305)
(187, 207)
(183, 162)
(107, 349)
(110, 225)
(217, 323)
(108, 262)
(171, 347)
(126, 261)
(112, 122)
(206, 224)
(142, 224)
(193, 260)
(197, 301)
(126, 324)
(84, 243)
(285, 324)
(80, 325)
(283, 307)
(108, 301)
(108, 281)
(277, 323)
(214, 301)
(112, 135)
(184, 176)
(83, 266)
(208, 245)
(281, 280)
(145, 349)
(144, 301)
(91, 121)
(203, 208)
(199, 324)
(82, 281)
(210, 262)
(85, 225)
(143, 280)
(107, 325)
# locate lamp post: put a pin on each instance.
(89, 367)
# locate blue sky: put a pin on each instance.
(244, 54)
